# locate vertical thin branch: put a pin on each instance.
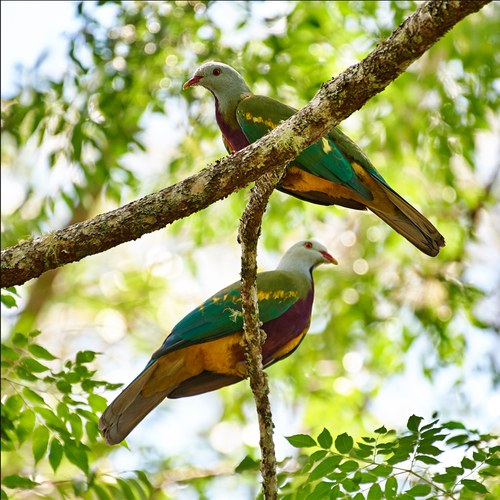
(248, 236)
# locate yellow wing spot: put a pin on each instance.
(280, 294)
(326, 147)
(259, 119)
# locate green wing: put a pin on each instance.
(221, 315)
(330, 158)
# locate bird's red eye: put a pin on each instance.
(308, 244)
(216, 72)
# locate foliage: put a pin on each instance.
(407, 466)
(55, 410)
(58, 413)
(118, 126)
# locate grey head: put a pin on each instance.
(305, 256)
(225, 83)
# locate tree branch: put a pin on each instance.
(334, 102)
(248, 236)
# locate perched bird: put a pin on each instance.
(333, 171)
(204, 351)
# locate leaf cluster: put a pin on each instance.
(385, 465)
(52, 406)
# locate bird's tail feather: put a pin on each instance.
(411, 224)
(129, 408)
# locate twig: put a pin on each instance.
(248, 236)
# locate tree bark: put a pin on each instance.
(248, 236)
(334, 102)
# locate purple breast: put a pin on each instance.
(235, 137)
(287, 327)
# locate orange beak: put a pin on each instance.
(193, 81)
(327, 256)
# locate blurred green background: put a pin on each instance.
(393, 332)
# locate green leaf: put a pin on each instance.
(3, 495)
(63, 411)
(467, 463)
(375, 492)
(344, 443)
(20, 340)
(414, 423)
(349, 466)
(14, 403)
(453, 425)
(391, 488)
(88, 415)
(429, 449)
(299, 440)
(138, 488)
(474, 486)
(25, 374)
(33, 365)
(145, 481)
(455, 470)
(40, 352)
(248, 463)
(92, 431)
(493, 461)
(381, 430)
(321, 491)
(8, 301)
(85, 357)
(25, 427)
(335, 493)
(63, 386)
(444, 478)
(51, 419)
(397, 459)
(317, 456)
(34, 333)
(77, 456)
(325, 467)
(432, 424)
(115, 492)
(15, 481)
(78, 486)
(458, 440)
(325, 439)
(129, 494)
(420, 490)
(101, 493)
(40, 442)
(366, 477)
(97, 403)
(426, 459)
(76, 426)
(349, 485)
(9, 353)
(72, 377)
(55, 454)
(382, 470)
(33, 397)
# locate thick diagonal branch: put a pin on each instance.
(248, 237)
(334, 102)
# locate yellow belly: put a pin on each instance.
(300, 181)
(219, 356)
